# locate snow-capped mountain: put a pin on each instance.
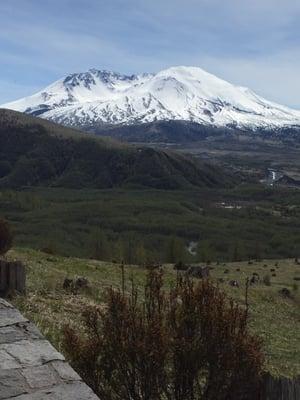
(177, 93)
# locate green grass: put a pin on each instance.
(273, 317)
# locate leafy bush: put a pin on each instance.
(267, 280)
(6, 237)
(295, 287)
(190, 343)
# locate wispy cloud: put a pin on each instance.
(254, 44)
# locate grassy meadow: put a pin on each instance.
(275, 318)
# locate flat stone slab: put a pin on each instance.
(65, 372)
(32, 352)
(67, 391)
(7, 361)
(40, 377)
(30, 367)
(4, 303)
(10, 316)
(12, 383)
(20, 331)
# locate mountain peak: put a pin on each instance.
(184, 69)
(177, 93)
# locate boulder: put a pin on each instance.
(81, 282)
(68, 283)
(286, 293)
(198, 272)
(180, 266)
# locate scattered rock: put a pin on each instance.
(75, 284)
(50, 259)
(81, 283)
(198, 272)
(254, 280)
(180, 266)
(152, 266)
(267, 280)
(47, 250)
(286, 293)
(68, 283)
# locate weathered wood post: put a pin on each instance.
(280, 388)
(12, 278)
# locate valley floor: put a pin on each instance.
(120, 224)
(274, 317)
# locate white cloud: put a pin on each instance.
(251, 43)
(275, 77)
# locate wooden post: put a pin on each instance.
(12, 278)
(280, 388)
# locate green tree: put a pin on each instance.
(175, 250)
(140, 254)
(101, 247)
(129, 250)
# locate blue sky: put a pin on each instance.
(253, 43)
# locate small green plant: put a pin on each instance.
(295, 287)
(6, 237)
(267, 280)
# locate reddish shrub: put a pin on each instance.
(190, 343)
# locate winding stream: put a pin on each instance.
(273, 176)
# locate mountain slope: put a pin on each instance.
(34, 152)
(178, 93)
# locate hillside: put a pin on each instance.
(35, 152)
(181, 132)
(272, 316)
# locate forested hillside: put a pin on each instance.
(38, 153)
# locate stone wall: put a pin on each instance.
(30, 368)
